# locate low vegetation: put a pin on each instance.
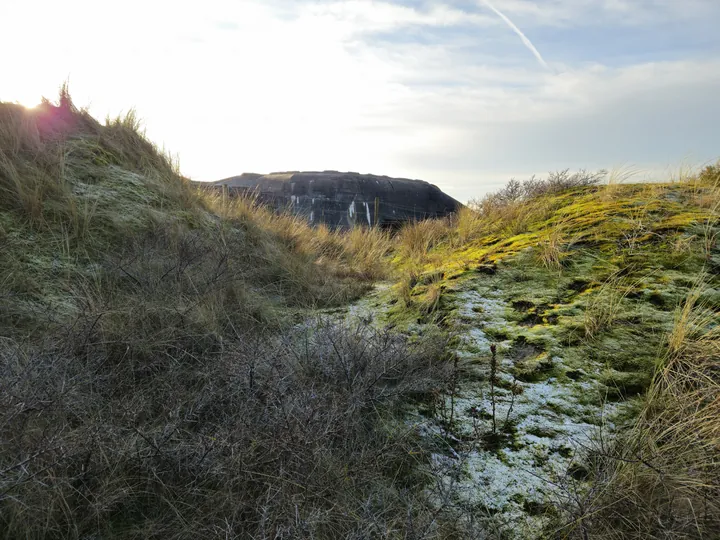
(660, 478)
(165, 372)
(154, 382)
(609, 274)
(250, 437)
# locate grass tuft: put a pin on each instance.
(662, 478)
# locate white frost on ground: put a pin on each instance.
(509, 488)
(511, 485)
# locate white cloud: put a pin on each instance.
(372, 16)
(602, 12)
(652, 116)
(258, 86)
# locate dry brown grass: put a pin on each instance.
(150, 386)
(710, 174)
(417, 238)
(365, 251)
(468, 224)
(616, 178)
(604, 305)
(360, 253)
(555, 248)
(431, 300)
(77, 194)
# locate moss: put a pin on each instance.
(497, 334)
(523, 305)
(575, 374)
(658, 299)
(594, 399)
(710, 298)
(679, 220)
(622, 385)
(542, 431)
(638, 246)
(562, 409)
(535, 370)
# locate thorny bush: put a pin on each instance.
(264, 436)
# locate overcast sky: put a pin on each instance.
(463, 93)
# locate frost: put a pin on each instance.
(548, 423)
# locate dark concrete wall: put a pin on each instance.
(346, 199)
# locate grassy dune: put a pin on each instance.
(625, 275)
(77, 194)
(164, 372)
(152, 381)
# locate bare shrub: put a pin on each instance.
(710, 175)
(517, 191)
(145, 390)
(259, 437)
(518, 205)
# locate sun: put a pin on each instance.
(28, 100)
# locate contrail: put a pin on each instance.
(515, 29)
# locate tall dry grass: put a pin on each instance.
(616, 177)
(360, 253)
(78, 196)
(604, 305)
(417, 238)
(554, 249)
(662, 479)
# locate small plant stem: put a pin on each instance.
(454, 389)
(512, 404)
(493, 374)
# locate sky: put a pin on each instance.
(465, 94)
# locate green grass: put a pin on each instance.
(606, 272)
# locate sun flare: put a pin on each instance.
(29, 101)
